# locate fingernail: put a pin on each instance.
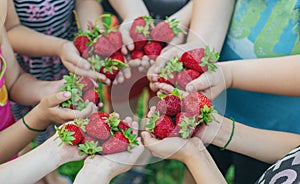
(67, 94)
(190, 88)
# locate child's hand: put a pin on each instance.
(78, 65)
(48, 110)
(172, 147)
(127, 40)
(142, 64)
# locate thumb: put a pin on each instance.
(200, 84)
(147, 139)
(81, 62)
(58, 98)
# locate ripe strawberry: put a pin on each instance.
(89, 139)
(98, 115)
(81, 43)
(199, 105)
(152, 49)
(70, 134)
(166, 30)
(98, 129)
(186, 124)
(139, 45)
(123, 126)
(87, 82)
(161, 126)
(117, 56)
(115, 39)
(170, 104)
(137, 54)
(92, 96)
(200, 59)
(168, 73)
(104, 47)
(119, 142)
(140, 28)
(112, 65)
(186, 76)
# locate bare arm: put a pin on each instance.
(184, 15)
(265, 145)
(129, 9)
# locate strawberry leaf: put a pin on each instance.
(151, 125)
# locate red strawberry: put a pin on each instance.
(98, 129)
(199, 105)
(115, 144)
(186, 76)
(164, 127)
(139, 45)
(170, 104)
(104, 47)
(112, 65)
(171, 80)
(168, 73)
(152, 49)
(166, 30)
(186, 124)
(123, 126)
(87, 82)
(70, 134)
(98, 115)
(88, 138)
(200, 59)
(117, 56)
(140, 28)
(81, 43)
(86, 53)
(92, 96)
(137, 54)
(115, 38)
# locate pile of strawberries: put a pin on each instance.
(101, 45)
(101, 133)
(179, 71)
(82, 92)
(149, 39)
(176, 116)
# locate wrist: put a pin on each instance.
(226, 68)
(224, 133)
(60, 49)
(34, 121)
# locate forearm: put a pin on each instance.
(30, 167)
(278, 75)
(184, 15)
(265, 145)
(203, 168)
(14, 138)
(87, 11)
(27, 90)
(28, 42)
(130, 9)
(210, 22)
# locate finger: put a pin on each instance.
(165, 88)
(127, 73)
(135, 127)
(145, 62)
(90, 108)
(199, 84)
(130, 46)
(135, 62)
(152, 75)
(57, 98)
(82, 63)
(153, 86)
(124, 50)
(120, 77)
(151, 111)
(148, 141)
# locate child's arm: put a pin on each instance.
(17, 136)
(191, 152)
(87, 11)
(37, 163)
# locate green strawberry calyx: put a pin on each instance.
(145, 29)
(175, 92)
(131, 138)
(65, 136)
(113, 122)
(173, 65)
(89, 148)
(187, 126)
(206, 115)
(211, 57)
(152, 121)
(173, 23)
(81, 123)
(112, 64)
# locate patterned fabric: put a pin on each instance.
(6, 115)
(262, 29)
(51, 17)
(285, 170)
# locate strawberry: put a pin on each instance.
(81, 43)
(98, 129)
(166, 30)
(139, 45)
(200, 59)
(111, 66)
(98, 115)
(137, 54)
(104, 47)
(170, 104)
(70, 134)
(161, 126)
(186, 124)
(123, 126)
(87, 83)
(186, 76)
(115, 39)
(152, 49)
(119, 142)
(140, 28)
(88, 138)
(168, 73)
(92, 96)
(199, 105)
